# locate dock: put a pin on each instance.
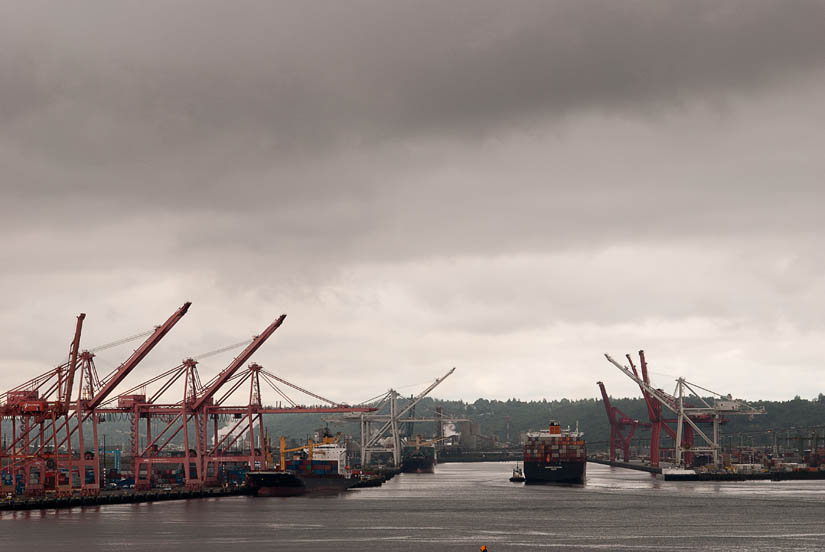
(627, 465)
(116, 497)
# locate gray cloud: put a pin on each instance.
(119, 84)
(417, 184)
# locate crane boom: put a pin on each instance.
(652, 408)
(669, 401)
(424, 393)
(605, 398)
(230, 370)
(137, 356)
(73, 352)
(410, 406)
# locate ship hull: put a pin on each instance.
(559, 472)
(290, 484)
(415, 464)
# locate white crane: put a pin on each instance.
(371, 439)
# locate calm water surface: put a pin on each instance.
(458, 508)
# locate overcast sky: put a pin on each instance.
(511, 188)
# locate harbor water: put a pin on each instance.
(458, 508)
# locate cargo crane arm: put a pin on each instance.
(283, 451)
(652, 409)
(308, 447)
(229, 371)
(63, 374)
(171, 376)
(722, 404)
(667, 400)
(139, 354)
(418, 443)
(424, 393)
(616, 416)
(374, 439)
(605, 399)
(66, 396)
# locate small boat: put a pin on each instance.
(518, 475)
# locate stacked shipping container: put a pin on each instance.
(555, 456)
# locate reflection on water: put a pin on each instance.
(459, 507)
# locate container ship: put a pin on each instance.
(315, 469)
(555, 456)
(419, 456)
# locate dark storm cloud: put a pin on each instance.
(135, 84)
(305, 116)
(292, 108)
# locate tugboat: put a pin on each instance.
(555, 456)
(518, 475)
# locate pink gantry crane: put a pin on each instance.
(49, 449)
(683, 429)
(194, 421)
(619, 421)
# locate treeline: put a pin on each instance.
(793, 419)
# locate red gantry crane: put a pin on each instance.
(654, 399)
(654, 412)
(189, 414)
(688, 415)
(189, 433)
(49, 449)
(619, 421)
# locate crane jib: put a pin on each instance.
(138, 355)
